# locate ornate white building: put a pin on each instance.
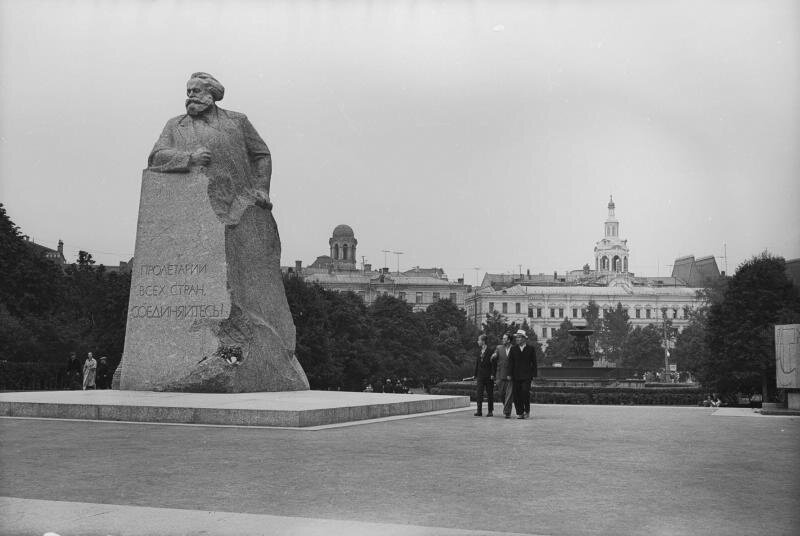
(544, 301)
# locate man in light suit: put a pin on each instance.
(523, 363)
(504, 374)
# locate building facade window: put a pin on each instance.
(561, 312)
(574, 312)
(491, 306)
(419, 297)
(647, 313)
(402, 295)
(552, 312)
(435, 296)
(530, 312)
(505, 307)
(453, 297)
(544, 332)
(518, 308)
(538, 312)
(638, 313)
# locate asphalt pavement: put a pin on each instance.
(569, 470)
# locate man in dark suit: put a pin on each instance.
(523, 364)
(485, 370)
(505, 374)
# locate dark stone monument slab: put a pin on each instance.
(207, 311)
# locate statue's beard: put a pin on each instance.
(198, 105)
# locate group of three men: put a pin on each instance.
(514, 366)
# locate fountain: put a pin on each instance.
(579, 370)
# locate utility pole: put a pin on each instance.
(666, 345)
(725, 256)
(363, 263)
(398, 253)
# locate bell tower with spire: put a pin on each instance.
(611, 253)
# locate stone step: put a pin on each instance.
(295, 409)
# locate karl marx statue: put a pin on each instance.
(223, 142)
(233, 332)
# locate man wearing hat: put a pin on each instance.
(523, 366)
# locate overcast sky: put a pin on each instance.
(463, 134)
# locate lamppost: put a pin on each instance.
(665, 344)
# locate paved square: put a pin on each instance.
(570, 470)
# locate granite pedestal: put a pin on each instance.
(296, 409)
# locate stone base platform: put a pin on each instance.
(295, 409)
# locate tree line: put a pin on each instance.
(729, 343)
(47, 311)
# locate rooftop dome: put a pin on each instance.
(343, 231)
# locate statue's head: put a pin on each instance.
(202, 91)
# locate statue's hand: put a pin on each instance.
(262, 200)
(200, 157)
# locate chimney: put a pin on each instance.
(460, 280)
(367, 267)
(529, 273)
(555, 275)
(61, 247)
(298, 265)
(385, 270)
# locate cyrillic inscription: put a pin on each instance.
(177, 312)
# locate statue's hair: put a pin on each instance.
(216, 89)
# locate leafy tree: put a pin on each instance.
(642, 349)
(404, 346)
(85, 260)
(740, 327)
(691, 347)
(592, 316)
(614, 332)
(494, 326)
(443, 314)
(559, 347)
(30, 284)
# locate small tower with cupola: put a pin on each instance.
(611, 253)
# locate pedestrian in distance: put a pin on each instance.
(485, 370)
(523, 364)
(103, 373)
(74, 372)
(89, 372)
(504, 374)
